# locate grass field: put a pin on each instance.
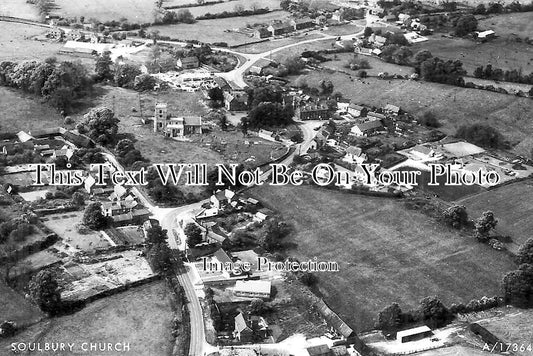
(140, 11)
(14, 307)
(19, 8)
(292, 51)
(214, 30)
(141, 316)
(385, 252)
(16, 43)
(376, 65)
(24, 112)
(502, 52)
(454, 106)
(228, 6)
(518, 24)
(512, 207)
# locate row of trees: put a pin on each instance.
(498, 8)
(59, 83)
(515, 76)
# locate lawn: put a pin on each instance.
(215, 30)
(453, 106)
(502, 52)
(14, 307)
(385, 252)
(141, 316)
(512, 207)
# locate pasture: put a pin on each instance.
(386, 253)
(503, 52)
(17, 43)
(513, 24)
(512, 207)
(19, 8)
(141, 316)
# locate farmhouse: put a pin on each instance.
(242, 331)
(366, 128)
(354, 155)
(261, 32)
(313, 112)
(392, 109)
(377, 40)
(302, 23)
(414, 334)
(338, 15)
(222, 198)
(236, 100)
(280, 28)
(188, 62)
(253, 289)
(356, 110)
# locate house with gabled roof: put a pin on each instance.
(366, 128)
(242, 331)
(280, 28)
(302, 23)
(188, 62)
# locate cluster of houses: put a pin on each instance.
(49, 143)
(235, 99)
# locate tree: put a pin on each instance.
(465, 24)
(270, 114)
(531, 92)
(367, 32)
(518, 286)
(125, 75)
(44, 291)
(429, 119)
(433, 312)
(481, 135)
(101, 125)
(480, 10)
(78, 199)
(103, 66)
(307, 278)
(144, 82)
(185, 16)
(390, 318)
(93, 217)
(275, 231)
(258, 307)
(156, 235)
(124, 146)
(160, 257)
(456, 216)
(326, 86)
(525, 253)
(193, 233)
(402, 55)
(285, 4)
(294, 65)
(238, 8)
(215, 94)
(421, 56)
(484, 224)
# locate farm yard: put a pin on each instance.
(385, 252)
(141, 316)
(453, 106)
(511, 205)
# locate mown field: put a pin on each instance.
(141, 316)
(140, 11)
(453, 106)
(377, 66)
(518, 24)
(228, 6)
(512, 207)
(386, 253)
